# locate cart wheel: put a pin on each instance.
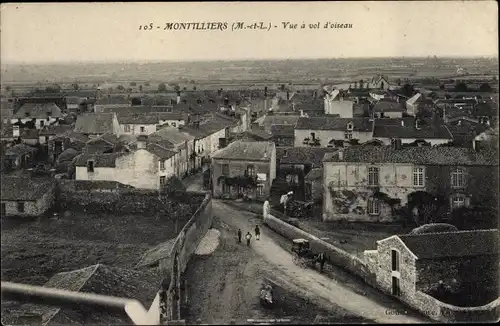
(303, 262)
(295, 258)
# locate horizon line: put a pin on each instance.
(122, 61)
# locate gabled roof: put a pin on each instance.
(142, 119)
(108, 138)
(95, 123)
(269, 120)
(282, 130)
(314, 175)
(38, 111)
(240, 150)
(452, 244)
(427, 131)
(153, 255)
(160, 151)
(389, 106)
(24, 188)
(55, 129)
(426, 155)
(114, 100)
(334, 123)
(173, 135)
(106, 160)
(99, 279)
(27, 133)
(302, 155)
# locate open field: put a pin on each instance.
(216, 74)
(35, 250)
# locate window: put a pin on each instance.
(162, 181)
(20, 207)
(458, 178)
(162, 165)
(458, 201)
(373, 176)
(90, 166)
(349, 126)
(143, 129)
(225, 169)
(313, 135)
(3, 209)
(395, 260)
(260, 190)
(348, 135)
(418, 177)
(42, 123)
(126, 128)
(373, 206)
(250, 170)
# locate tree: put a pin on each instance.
(133, 84)
(461, 87)
(184, 88)
(485, 88)
(140, 88)
(162, 87)
(120, 87)
(361, 84)
(177, 88)
(194, 88)
(408, 90)
(75, 86)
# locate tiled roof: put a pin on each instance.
(239, 150)
(171, 116)
(160, 151)
(389, 106)
(484, 109)
(20, 149)
(99, 279)
(282, 130)
(143, 119)
(428, 131)
(101, 160)
(256, 134)
(74, 100)
(302, 155)
(73, 136)
(153, 255)
(426, 155)
(38, 110)
(173, 135)
(68, 155)
(94, 123)
(334, 123)
(29, 133)
(207, 128)
(270, 120)
(314, 175)
(55, 129)
(24, 188)
(138, 109)
(111, 139)
(116, 100)
(453, 244)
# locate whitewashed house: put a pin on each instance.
(42, 114)
(410, 130)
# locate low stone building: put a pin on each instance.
(458, 268)
(244, 168)
(23, 196)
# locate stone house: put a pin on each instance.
(137, 124)
(178, 141)
(368, 183)
(268, 120)
(104, 103)
(378, 82)
(23, 196)
(436, 264)
(106, 143)
(42, 114)
(337, 104)
(410, 130)
(96, 124)
(387, 108)
(244, 168)
(283, 135)
(328, 131)
(148, 167)
(209, 136)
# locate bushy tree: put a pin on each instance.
(485, 88)
(174, 187)
(461, 87)
(162, 87)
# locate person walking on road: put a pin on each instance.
(248, 237)
(321, 260)
(239, 235)
(257, 232)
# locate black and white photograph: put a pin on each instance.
(249, 163)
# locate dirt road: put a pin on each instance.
(318, 288)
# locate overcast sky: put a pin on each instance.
(110, 32)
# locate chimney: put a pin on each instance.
(142, 141)
(285, 154)
(416, 124)
(341, 154)
(265, 91)
(15, 131)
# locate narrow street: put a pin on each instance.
(227, 283)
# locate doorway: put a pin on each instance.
(395, 286)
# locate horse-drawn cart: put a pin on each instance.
(302, 254)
